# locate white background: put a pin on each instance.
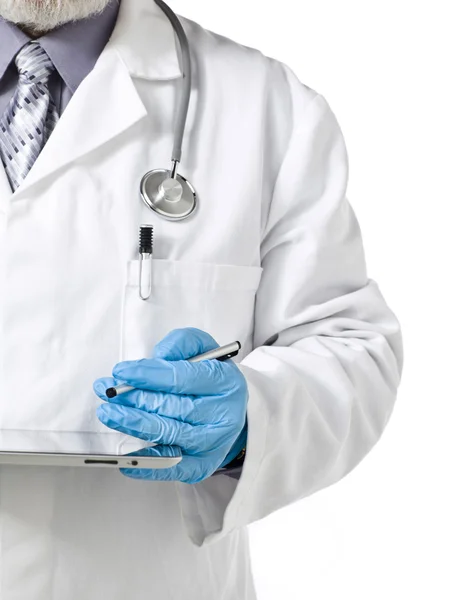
(383, 532)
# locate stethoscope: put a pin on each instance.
(165, 191)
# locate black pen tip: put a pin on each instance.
(111, 392)
(240, 345)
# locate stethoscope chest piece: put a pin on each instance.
(171, 198)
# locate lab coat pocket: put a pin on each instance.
(218, 299)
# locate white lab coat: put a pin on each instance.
(274, 248)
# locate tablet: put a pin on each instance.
(83, 449)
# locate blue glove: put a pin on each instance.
(200, 407)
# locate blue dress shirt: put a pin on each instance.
(74, 49)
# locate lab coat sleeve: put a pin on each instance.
(320, 397)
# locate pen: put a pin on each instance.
(145, 261)
(221, 353)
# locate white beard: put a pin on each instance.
(44, 15)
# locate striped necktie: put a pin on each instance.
(30, 116)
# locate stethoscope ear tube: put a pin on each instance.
(187, 81)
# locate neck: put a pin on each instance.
(33, 33)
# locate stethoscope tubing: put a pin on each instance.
(187, 81)
(177, 201)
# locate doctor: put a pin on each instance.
(272, 256)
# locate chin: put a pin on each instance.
(44, 15)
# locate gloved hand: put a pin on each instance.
(200, 407)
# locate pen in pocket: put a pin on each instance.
(145, 261)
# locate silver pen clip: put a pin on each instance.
(145, 261)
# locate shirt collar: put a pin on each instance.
(73, 48)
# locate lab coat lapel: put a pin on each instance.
(107, 103)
